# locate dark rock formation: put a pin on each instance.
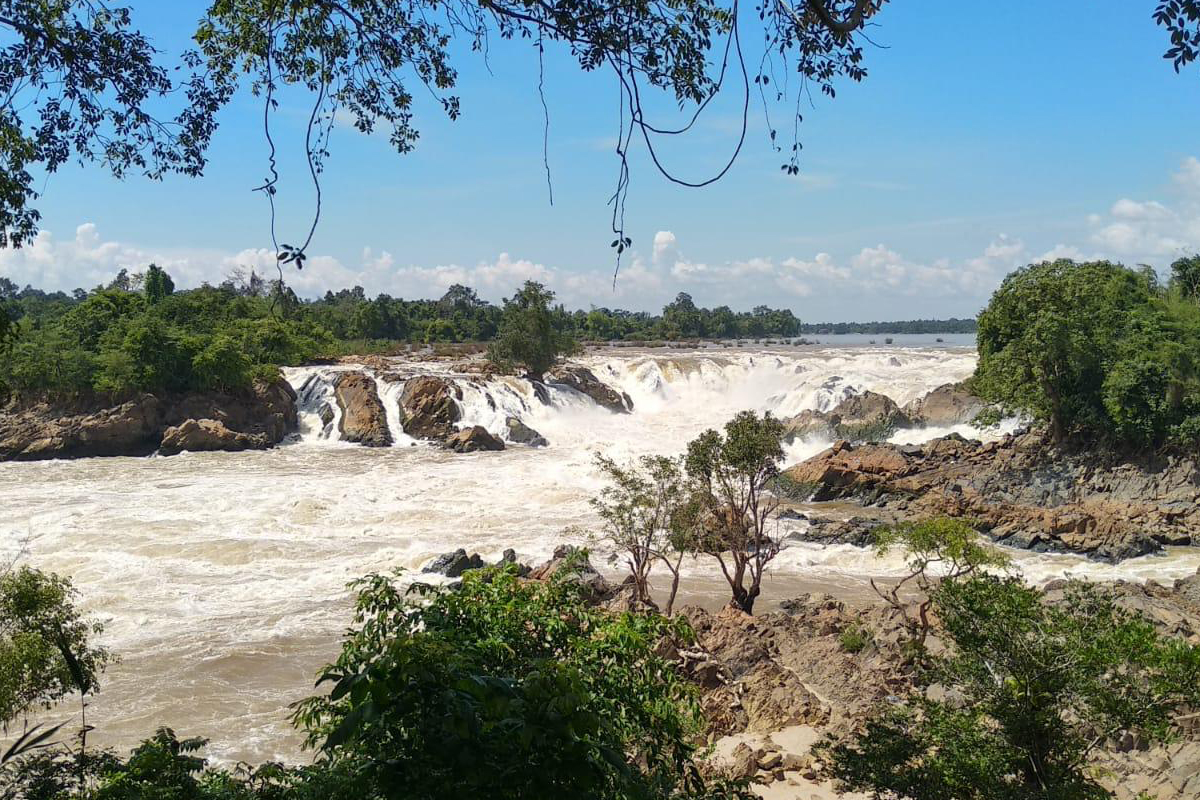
(866, 416)
(364, 419)
(521, 433)
(453, 565)
(584, 381)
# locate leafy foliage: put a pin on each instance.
(647, 513)
(79, 81)
(731, 475)
(505, 689)
(45, 653)
(1042, 686)
(528, 337)
(941, 548)
(1093, 348)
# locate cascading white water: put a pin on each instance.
(222, 576)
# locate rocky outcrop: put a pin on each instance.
(775, 684)
(584, 381)
(521, 433)
(209, 434)
(428, 407)
(264, 413)
(568, 557)
(453, 565)
(1021, 491)
(472, 440)
(44, 431)
(865, 416)
(363, 419)
(947, 405)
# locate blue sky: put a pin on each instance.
(986, 135)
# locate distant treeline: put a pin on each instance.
(952, 325)
(137, 333)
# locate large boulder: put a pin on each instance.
(473, 439)
(364, 419)
(429, 407)
(268, 407)
(521, 433)
(453, 565)
(866, 416)
(209, 434)
(947, 405)
(584, 381)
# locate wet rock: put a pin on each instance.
(584, 381)
(472, 440)
(453, 565)
(325, 413)
(429, 408)
(867, 416)
(363, 417)
(947, 405)
(521, 433)
(206, 435)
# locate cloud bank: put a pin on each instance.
(819, 285)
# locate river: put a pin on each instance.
(221, 577)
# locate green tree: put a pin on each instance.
(1046, 334)
(509, 689)
(1042, 685)
(528, 338)
(731, 476)
(645, 517)
(1185, 276)
(157, 284)
(937, 549)
(45, 644)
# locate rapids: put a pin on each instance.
(221, 577)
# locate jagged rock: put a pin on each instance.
(583, 571)
(864, 416)
(326, 414)
(453, 565)
(473, 439)
(584, 381)
(364, 419)
(1021, 491)
(521, 433)
(428, 407)
(947, 405)
(136, 427)
(209, 434)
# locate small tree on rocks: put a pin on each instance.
(730, 476)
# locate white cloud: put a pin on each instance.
(664, 245)
(1150, 230)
